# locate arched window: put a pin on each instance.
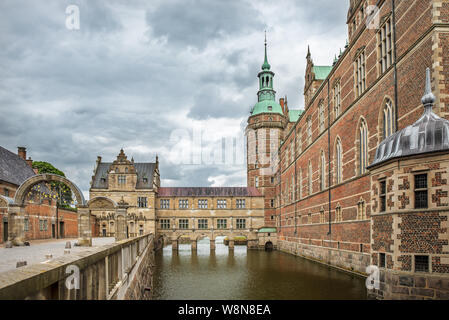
(322, 171)
(309, 129)
(338, 162)
(388, 119)
(300, 183)
(363, 147)
(310, 178)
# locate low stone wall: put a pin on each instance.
(122, 270)
(407, 286)
(349, 260)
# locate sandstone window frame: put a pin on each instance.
(202, 203)
(387, 118)
(165, 203)
(121, 179)
(142, 202)
(385, 46)
(222, 224)
(300, 183)
(361, 209)
(363, 146)
(240, 203)
(337, 99)
(420, 190)
(338, 215)
(202, 223)
(382, 195)
(322, 117)
(299, 141)
(26, 224)
(338, 161)
(164, 224)
(322, 216)
(240, 223)
(6, 192)
(183, 224)
(310, 178)
(222, 203)
(360, 73)
(183, 203)
(322, 171)
(309, 130)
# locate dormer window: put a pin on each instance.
(270, 108)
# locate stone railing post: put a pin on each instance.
(16, 224)
(84, 227)
(120, 223)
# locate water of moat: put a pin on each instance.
(247, 274)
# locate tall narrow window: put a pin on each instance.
(388, 120)
(299, 141)
(241, 223)
(202, 203)
(142, 202)
(165, 203)
(363, 147)
(421, 191)
(121, 179)
(300, 183)
(202, 223)
(322, 171)
(338, 163)
(309, 129)
(165, 224)
(361, 210)
(241, 203)
(221, 203)
(383, 196)
(256, 181)
(183, 223)
(337, 99)
(321, 111)
(310, 178)
(360, 76)
(385, 49)
(338, 216)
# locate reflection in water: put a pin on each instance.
(252, 274)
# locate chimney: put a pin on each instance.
(30, 162)
(22, 152)
(281, 102)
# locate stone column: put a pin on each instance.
(174, 245)
(212, 244)
(84, 227)
(231, 244)
(16, 224)
(194, 245)
(120, 224)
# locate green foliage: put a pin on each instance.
(64, 192)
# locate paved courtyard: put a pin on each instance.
(38, 249)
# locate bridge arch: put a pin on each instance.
(26, 186)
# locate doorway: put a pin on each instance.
(61, 229)
(53, 230)
(5, 231)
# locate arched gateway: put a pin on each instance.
(16, 210)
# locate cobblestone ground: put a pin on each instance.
(36, 252)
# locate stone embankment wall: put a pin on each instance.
(122, 270)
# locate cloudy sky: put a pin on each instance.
(152, 77)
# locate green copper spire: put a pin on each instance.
(266, 65)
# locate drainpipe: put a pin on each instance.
(395, 72)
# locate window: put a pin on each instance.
(202, 204)
(165, 224)
(121, 179)
(421, 263)
(202, 223)
(183, 223)
(300, 183)
(388, 119)
(256, 181)
(382, 196)
(142, 202)
(360, 74)
(27, 224)
(363, 147)
(338, 217)
(321, 111)
(382, 260)
(310, 179)
(361, 210)
(309, 129)
(322, 171)
(272, 203)
(309, 218)
(6, 192)
(322, 216)
(337, 99)
(421, 191)
(183, 204)
(241, 203)
(338, 163)
(221, 204)
(385, 49)
(222, 223)
(165, 203)
(299, 141)
(272, 180)
(241, 223)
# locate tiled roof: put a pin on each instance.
(144, 170)
(13, 169)
(210, 192)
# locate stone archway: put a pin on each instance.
(16, 210)
(105, 204)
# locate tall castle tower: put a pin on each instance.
(265, 131)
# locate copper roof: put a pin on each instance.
(210, 192)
